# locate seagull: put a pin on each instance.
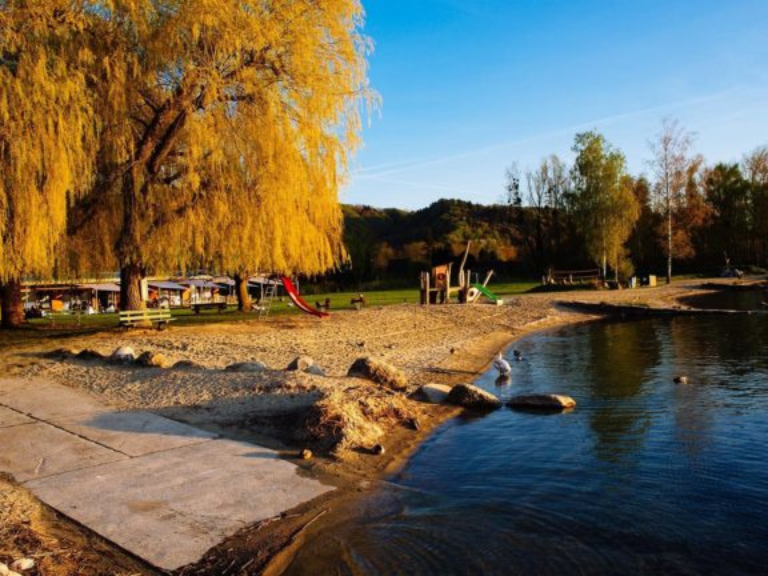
(502, 365)
(518, 355)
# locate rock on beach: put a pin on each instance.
(152, 360)
(246, 367)
(123, 355)
(433, 393)
(469, 396)
(301, 363)
(380, 372)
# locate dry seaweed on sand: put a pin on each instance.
(358, 417)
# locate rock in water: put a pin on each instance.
(380, 372)
(246, 367)
(555, 402)
(681, 380)
(433, 393)
(123, 355)
(469, 396)
(301, 363)
(152, 360)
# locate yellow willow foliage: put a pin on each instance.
(47, 133)
(231, 122)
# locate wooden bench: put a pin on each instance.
(220, 306)
(572, 276)
(159, 316)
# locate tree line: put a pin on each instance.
(154, 136)
(684, 216)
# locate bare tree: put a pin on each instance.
(669, 164)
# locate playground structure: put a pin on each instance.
(298, 301)
(436, 285)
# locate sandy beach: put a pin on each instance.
(440, 344)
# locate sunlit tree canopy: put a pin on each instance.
(227, 129)
(47, 131)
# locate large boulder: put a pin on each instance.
(123, 355)
(433, 393)
(152, 360)
(469, 396)
(380, 372)
(246, 367)
(555, 402)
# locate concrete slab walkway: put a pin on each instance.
(163, 490)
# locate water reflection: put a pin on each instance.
(644, 477)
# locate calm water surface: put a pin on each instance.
(644, 477)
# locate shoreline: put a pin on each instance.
(443, 344)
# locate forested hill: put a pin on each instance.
(392, 244)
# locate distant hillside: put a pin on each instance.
(392, 244)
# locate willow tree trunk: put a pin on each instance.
(11, 304)
(241, 290)
(131, 276)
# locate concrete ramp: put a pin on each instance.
(165, 491)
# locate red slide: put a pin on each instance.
(300, 303)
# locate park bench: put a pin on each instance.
(572, 276)
(160, 316)
(220, 306)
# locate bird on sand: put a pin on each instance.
(502, 365)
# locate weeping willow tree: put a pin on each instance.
(228, 125)
(47, 139)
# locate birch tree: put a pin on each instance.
(670, 165)
(603, 204)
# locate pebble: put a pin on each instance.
(5, 571)
(378, 450)
(306, 454)
(23, 564)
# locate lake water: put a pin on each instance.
(644, 477)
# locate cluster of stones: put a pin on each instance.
(475, 398)
(125, 356)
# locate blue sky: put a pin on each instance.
(468, 87)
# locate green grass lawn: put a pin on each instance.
(64, 324)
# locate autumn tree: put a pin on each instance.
(643, 241)
(228, 126)
(754, 167)
(727, 192)
(47, 138)
(602, 201)
(670, 164)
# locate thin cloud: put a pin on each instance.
(398, 167)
